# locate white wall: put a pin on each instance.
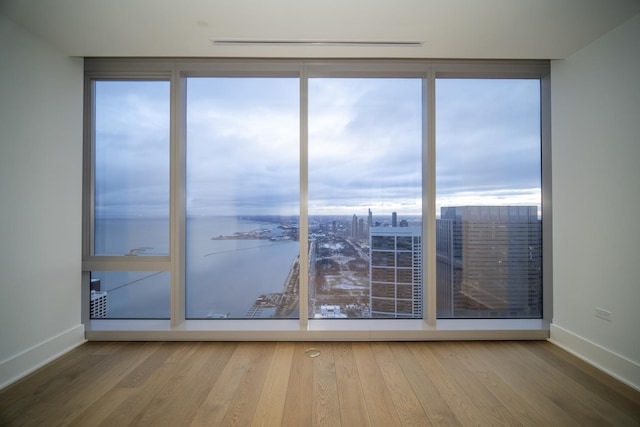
(40, 202)
(595, 97)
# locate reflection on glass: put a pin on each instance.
(242, 198)
(131, 182)
(365, 175)
(130, 294)
(488, 197)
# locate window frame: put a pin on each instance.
(177, 327)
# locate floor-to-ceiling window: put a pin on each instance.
(488, 198)
(242, 197)
(130, 209)
(365, 197)
(311, 190)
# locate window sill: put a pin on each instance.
(317, 330)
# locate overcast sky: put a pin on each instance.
(364, 145)
(488, 142)
(132, 149)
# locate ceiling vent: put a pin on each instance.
(372, 43)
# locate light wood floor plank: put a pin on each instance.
(617, 394)
(299, 400)
(270, 407)
(353, 408)
(454, 393)
(147, 368)
(474, 386)
(214, 407)
(245, 399)
(517, 378)
(348, 384)
(106, 375)
(486, 371)
(149, 379)
(593, 408)
(100, 412)
(193, 373)
(380, 405)
(435, 406)
(556, 389)
(409, 408)
(326, 409)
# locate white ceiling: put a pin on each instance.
(526, 29)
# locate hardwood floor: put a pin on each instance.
(348, 384)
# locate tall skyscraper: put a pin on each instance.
(354, 227)
(489, 261)
(394, 219)
(396, 272)
(445, 268)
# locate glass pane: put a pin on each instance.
(242, 197)
(365, 177)
(131, 210)
(130, 294)
(488, 198)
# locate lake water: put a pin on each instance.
(223, 277)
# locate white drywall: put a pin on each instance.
(40, 201)
(595, 97)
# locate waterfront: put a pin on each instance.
(224, 277)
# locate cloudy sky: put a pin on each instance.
(132, 149)
(488, 142)
(364, 145)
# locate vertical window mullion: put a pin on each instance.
(303, 291)
(89, 169)
(429, 198)
(177, 199)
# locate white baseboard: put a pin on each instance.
(619, 367)
(27, 361)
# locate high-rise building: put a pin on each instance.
(396, 272)
(354, 227)
(489, 261)
(444, 268)
(98, 304)
(394, 219)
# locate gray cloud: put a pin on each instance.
(364, 145)
(132, 148)
(488, 139)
